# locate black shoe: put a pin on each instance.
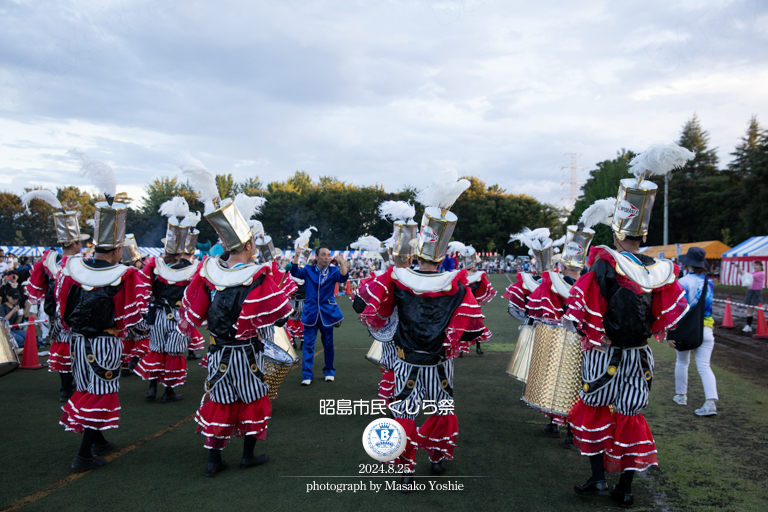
(568, 442)
(64, 396)
(552, 430)
(461, 354)
(407, 483)
(624, 500)
(192, 356)
(151, 393)
(479, 350)
(171, 398)
(125, 372)
(100, 449)
(592, 488)
(258, 460)
(133, 363)
(84, 464)
(438, 468)
(212, 469)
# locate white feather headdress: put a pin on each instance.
(659, 159)
(601, 211)
(175, 207)
(367, 243)
(396, 210)
(193, 219)
(458, 247)
(249, 206)
(201, 180)
(444, 191)
(100, 173)
(537, 239)
(304, 236)
(43, 195)
(560, 241)
(257, 228)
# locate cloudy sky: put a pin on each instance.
(370, 92)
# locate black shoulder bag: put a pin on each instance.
(689, 332)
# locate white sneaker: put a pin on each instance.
(680, 399)
(747, 328)
(306, 382)
(708, 409)
(329, 378)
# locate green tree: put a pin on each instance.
(10, 210)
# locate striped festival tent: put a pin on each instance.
(742, 256)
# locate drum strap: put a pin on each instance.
(444, 383)
(103, 373)
(409, 384)
(613, 364)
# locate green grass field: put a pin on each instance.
(715, 463)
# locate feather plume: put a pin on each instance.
(43, 195)
(91, 223)
(389, 242)
(457, 247)
(367, 243)
(249, 206)
(257, 228)
(175, 207)
(600, 211)
(444, 191)
(533, 239)
(396, 210)
(304, 237)
(560, 241)
(200, 178)
(193, 219)
(659, 159)
(100, 173)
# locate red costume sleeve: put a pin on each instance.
(287, 285)
(265, 305)
(63, 285)
(544, 303)
(131, 301)
(38, 281)
(194, 305)
(466, 327)
(485, 292)
(147, 272)
(377, 295)
(517, 294)
(585, 308)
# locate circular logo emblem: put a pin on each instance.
(108, 374)
(384, 439)
(626, 210)
(428, 234)
(611, 370)
(574, 249)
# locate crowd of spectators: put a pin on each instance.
(15, 307)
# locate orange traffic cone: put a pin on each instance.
(762, 328)
(727, 316)
(336, 290)
(348, 290)
(29, 360)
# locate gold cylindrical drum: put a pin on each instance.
(521, 357)
(404, 232)
(109, 229)
(435, 234)
(554, 378)
(9, 361)
(576, 246)
(375, 353)
(277, 364)
(633, 207)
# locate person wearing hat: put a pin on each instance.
(438, 317)
(42, 283)
(624, 299)
(699, 292)
(168, 277)
(237, 298)
(99, 299)
(136, 340)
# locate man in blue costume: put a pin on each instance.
(320, 309)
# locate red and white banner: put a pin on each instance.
(729, 274)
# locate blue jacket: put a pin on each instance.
(319, 297)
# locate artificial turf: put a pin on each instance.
(715, 463)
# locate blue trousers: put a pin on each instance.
(326, 336)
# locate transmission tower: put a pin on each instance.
(574, 183)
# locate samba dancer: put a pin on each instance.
(478, 281)
(168, 276)
(136, 340)
(42, 284)
(426, 346)
(624, 299)
(196, 341)
(98, 299)
(237, 298)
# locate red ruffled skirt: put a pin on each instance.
(196, 342)
(295, 329)
(140, 348)
(387, 384)
(204, 361)
(169, 370)
(626, 442)
(219, 422)
(408, 457)
(438, 436)
(59, 357)
(86, 410)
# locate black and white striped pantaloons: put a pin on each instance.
(416, 384)
(164, 337)
(628, 389)
(233, 377)
(104, 357)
